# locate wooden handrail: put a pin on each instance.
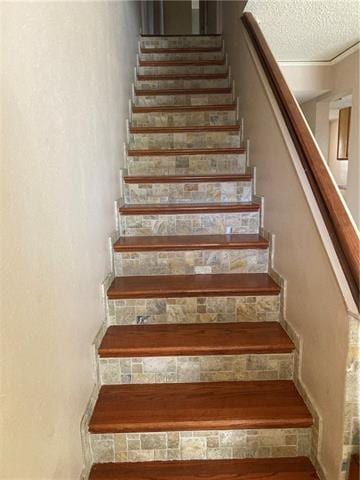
(341, 229)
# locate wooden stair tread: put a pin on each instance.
(189, 76)
(179, 63)
(190, 208)
(232, 177)
(194, 128)
(183, 108)
(298, 468)
(181, 50)
(169, 286)
(181, 91)
(190, 242)
(354, 472)
(195, 339)
(185, 151)
(199, 406)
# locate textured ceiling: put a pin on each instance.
(308, 30)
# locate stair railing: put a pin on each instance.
(340, 225)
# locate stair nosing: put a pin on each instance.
(179, 63)
(189, 208)
(185, 129)
(185, 151)
(167, 420)
(202, 340)
(176, 76)
(156, 50)
(215, 178)
(201, 285)
(158, 92)
(197, 242)
(183, 108)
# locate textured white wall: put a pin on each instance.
(66, 74)
(314, 304)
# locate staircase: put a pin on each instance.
(195, 368)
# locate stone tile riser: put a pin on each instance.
(172, 119)
(199, 99)
(194, 310)
(182, 83)
(186, 164)
(184, 369)
(181, 42)
(144, 141)
(191, 262)
(183, 69)
(188, 192)
(194, 224)
(182, 56)
(197, 445)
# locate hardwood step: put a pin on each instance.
(298, 468)
(190, 242)
(232, 177)
(181, 50)
(184, 108)
(179, 63)
(204, 285)
(354, 472)
(185, 151)
(195, 339)
(195, 128)
(177, 76)
(181, 91)
(199, 406)
(193, 208)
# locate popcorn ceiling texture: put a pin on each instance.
(310, 30)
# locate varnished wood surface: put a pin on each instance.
(195, 339)
(169, 286)
(299, 468)
(354, 472)
(181, 91)
(188, 76)
(180, 63)
(181, 50)
(190, 242)
(191, 129)
(199, 406)
(184, 108)
(189, 208)
(231, 177)
(341, 229)
(185, 151)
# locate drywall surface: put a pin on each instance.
(314, 306)
(66, 76)
(344, 81)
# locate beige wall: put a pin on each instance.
(342, 80)
(66, 74)
(314, 304)
(177, 17)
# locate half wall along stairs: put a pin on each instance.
(196, 369)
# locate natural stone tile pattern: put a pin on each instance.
(203, 192)
(184, 369)
(145, 141)
(197, 445)
(190, 69)
(352, 395)
(183, 119)
(178, 56)
(181, 41)
(191, 262)
(186, 164)
(188, 99)
(183, 83)
(194, 310)
(194, 224)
